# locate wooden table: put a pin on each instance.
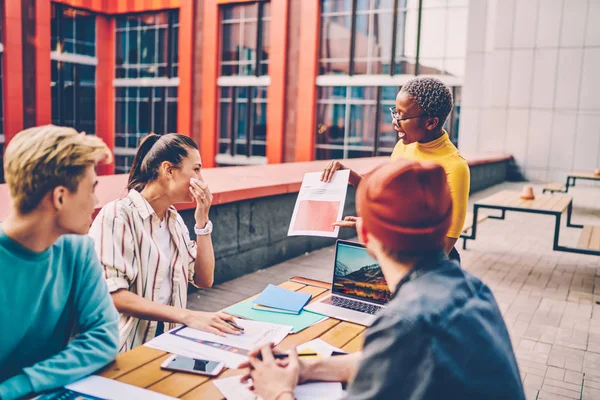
(571, 180)
(546, 204)
(141, 366)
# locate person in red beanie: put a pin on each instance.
(441, 336)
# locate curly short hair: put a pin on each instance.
(434, 98)
(39, 159)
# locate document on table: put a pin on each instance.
(319, 204)
(99, 388)
(255, 334)
(233, 389)
(319, 346)
(231, 349)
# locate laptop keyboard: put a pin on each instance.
(352, 304)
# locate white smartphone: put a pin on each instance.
(192, 365)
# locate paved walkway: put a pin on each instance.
(548, 298)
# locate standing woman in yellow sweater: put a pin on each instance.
(422, 107)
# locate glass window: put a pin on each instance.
(443, 41)
(354, 121)
(245, 46)
(245, 41)
(374, 36)
(405, 52)
(123, 164)
(141, 110)
(73, 90)
(371, 37)
(243, 121)
(336, 34)
(147, 45)
(73, 84)
(258, 132)
(388, 137)
(453, 122)
(72, 31)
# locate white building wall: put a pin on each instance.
(532, 84)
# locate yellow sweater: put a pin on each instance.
(443, 152)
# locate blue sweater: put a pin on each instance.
(45, 300)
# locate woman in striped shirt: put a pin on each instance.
(145, 247)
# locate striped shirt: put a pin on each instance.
(125, 236)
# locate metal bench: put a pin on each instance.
(545, 204)
(571, 180)
(555, 187)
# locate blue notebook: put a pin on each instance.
(282, 299)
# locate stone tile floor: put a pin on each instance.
(548, 298)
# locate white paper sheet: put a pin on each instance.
(319, 205)
(233, 389)
(183, 347)
(109, 389)
(320, 347)
(255, 334)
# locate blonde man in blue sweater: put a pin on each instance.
(58, 320)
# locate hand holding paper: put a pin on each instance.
(347, 222)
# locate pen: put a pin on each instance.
(280, 356)
(236, 326)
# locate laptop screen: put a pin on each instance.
(357, 274)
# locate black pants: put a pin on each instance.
(454, 255)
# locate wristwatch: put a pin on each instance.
(204, 231)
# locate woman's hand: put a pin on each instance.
(272, 378)
(203, 197)
(210, 322)
(335, 166)
(348, 222)
(330, 170)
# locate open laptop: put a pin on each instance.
(359, 289)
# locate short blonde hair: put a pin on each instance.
(39, 159)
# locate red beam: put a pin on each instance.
(277, 72)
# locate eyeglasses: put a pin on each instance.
(396, 116)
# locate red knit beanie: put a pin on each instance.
(406, 205)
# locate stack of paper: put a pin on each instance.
(230, 349)
(233, 389)
(277, 299)
(298, 322)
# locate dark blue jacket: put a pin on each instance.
(441, 336)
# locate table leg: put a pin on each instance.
(555, 245)
(501, 215)
(473, 228)
(569, 215)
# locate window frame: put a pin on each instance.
(167, 82)
(76, 60)
(235, 82)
